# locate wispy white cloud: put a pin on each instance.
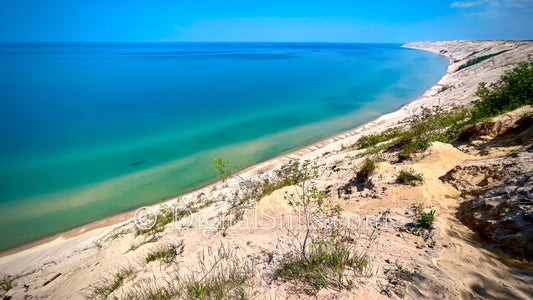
(503, 3)
(492, 9)
(518, 3)
(462, 4)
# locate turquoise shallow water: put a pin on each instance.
(90, 130)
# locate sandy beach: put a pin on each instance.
(73, 253)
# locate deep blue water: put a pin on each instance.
(89, 129)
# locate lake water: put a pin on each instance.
(89, 130)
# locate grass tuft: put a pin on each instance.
(326, 264)
(222, 275)
(105, 288)
(166, 254)
(409, 177)
(423, 220)
(219, 275)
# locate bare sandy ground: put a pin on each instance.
(448, 264)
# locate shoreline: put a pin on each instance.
(307, 152)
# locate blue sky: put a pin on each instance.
(273, 20)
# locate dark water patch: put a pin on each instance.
(255, 56)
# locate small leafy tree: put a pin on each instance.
(306, 197)
(254, 189)
(326, 254)
(226, 170)
(223, 167)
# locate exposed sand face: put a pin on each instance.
(449, 263)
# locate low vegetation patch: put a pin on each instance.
(225, 281)
(429, 126)
(254, 189)
(6, 283)
(168, 214)
(397, 281)
(409, 177)
(322, 257)
(105, 288)
(513, 90)
(165, 216)
(366, 170)
(325, 266)
(219, 275)
(425, 220)
(479, 59)
(166, 254)
(374, 139)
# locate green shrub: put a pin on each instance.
(373, 139)
(425, 220)
(409, 177)
(420, 131)
(412, 147)
(6, 283)
(368, 168)
(513, 90)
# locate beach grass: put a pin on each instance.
(106, 287)
(165, 254)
